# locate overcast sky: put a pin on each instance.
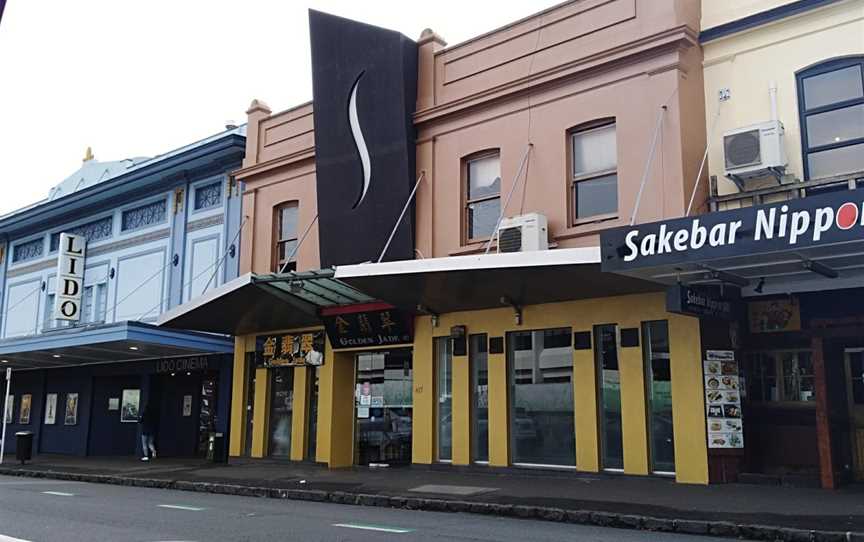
(139, 78)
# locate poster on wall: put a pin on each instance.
(290, 350)
(723, 400)
(71, 417)
(130, 406)
(113, 403)
(24, 412)
(51, 409)
(774, 315)
(10, 406)
(187, 405)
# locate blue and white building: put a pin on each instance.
(159, 231)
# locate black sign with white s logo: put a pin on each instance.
(364, 81)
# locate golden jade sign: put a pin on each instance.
(70, 277)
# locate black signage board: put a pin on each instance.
(369, 328)
(290, 350)
(704, 301)
(183, 365)
(803, 223)
(364, 82)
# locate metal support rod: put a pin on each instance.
(509, 196)
(5, 408)
(648, 163)
(297, 247)
(402, 215)
(224, 256)
(704, 159)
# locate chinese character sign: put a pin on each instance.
(290, 350)
(369, 328)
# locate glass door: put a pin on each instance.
(281, 403)
(444, 391)
(384, 408)
(478, 357)
(606, 351)
(855, 394)
(312, 442)
(658, 382)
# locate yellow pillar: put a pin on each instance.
(585, 404)
(634, 428)
(261, 416)
(299, 413)
(461, 417)
(423, 424)
(688, 400)
(499, 426)
(239, 398)
(336, 409)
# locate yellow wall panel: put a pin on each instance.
(585, 404)
(634, 431)
(423, 425)
(238, 399)
(688, 400)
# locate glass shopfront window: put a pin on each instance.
(658, 380)
(444, 387)
(478, 355)
(281, 403)
(606, 353)
(541, 384)
(780, 376)
(384, 405)
(314, 374)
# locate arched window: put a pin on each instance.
(831, 109)
(285, 237)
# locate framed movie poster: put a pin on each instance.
(24, 411)
(71, 417)
(10, 406)
(113, 403)
(187, 405)
(130, 405)
(51, 409)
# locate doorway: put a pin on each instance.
(281, 411)
(384, 403)
(854, 366)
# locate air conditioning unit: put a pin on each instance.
(754, 152)
(523, 233)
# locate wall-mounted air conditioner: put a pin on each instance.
(523, 233)
(754, 152)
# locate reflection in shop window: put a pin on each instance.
(606, 352)
(478, 355)
(780, 376)
(444, 389)
(541, 380)
(658, 379)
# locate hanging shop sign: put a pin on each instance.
(364, 84)
(774, 315)
(808, 222)
(368, 328)
(723, 400)
(703, 301)
(181, 365)
(290, 350)
(70, 277)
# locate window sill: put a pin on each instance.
(589, 227)
(479, 248)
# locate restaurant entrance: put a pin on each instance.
(854, 370)
(383, 404)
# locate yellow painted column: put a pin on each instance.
(299, 412)
(325, 405)
(423, 424)
(585, 404)
(239, 398)
(342, 418)
(261, 416)
(634, 421)
(461, 418)
(688, 400)
(499, 411)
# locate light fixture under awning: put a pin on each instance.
(105, 343)
(256, 303)
(460, 283)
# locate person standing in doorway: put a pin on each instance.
(149, 424)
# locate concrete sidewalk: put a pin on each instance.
(735, 510)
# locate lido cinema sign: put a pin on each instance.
(806, 222)
(70, 277)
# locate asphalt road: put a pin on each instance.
(45, 510)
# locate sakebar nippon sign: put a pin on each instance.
(707, 301)
(70, 277)
(802, 223)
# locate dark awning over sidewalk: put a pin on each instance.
(124, 341)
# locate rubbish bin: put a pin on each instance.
(216, 451)
(23, 446)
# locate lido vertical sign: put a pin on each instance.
(70, 277)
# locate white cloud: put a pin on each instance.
(133, 78)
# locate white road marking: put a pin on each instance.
(4, 538)
(378, 528)
(58, 493)
(179, 507)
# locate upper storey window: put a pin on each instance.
(208, 195)
(286, 237)
(144, 216)
(594, 182)
(29, 250)
(92, 231)
(831, 108)
(482, 195)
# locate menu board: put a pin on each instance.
(723, 400)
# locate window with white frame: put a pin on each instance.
(594, 175)
(286, 237)
(482, 195)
